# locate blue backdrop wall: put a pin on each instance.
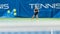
(23, 9)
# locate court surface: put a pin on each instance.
(29, 22)
(30, 26)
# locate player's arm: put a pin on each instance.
(34, 10)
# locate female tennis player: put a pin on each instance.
(36, 11)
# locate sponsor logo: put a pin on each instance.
(40, 6)
(4, 6)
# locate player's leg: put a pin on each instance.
(37, 16)
(33, 16)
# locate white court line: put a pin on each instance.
(52, 31)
